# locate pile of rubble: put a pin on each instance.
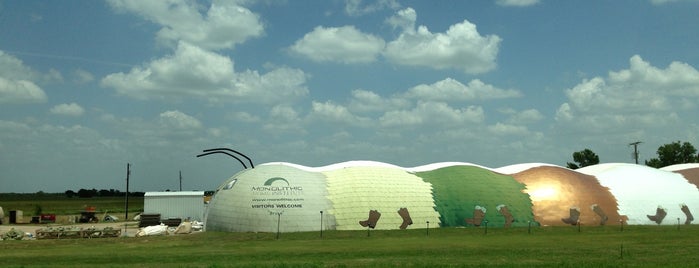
(14, 234)
(76, 232)
(162, 229)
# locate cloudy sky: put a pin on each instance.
(89, 86)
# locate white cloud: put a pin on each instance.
(662, 2)
(194, 72)
(453, 90)
(83, 76)
(179, 120)
(339, 44)
(368, 101)
(20, 91)
(284, 119)
(223, 25)
(331, 112)
(403, 19)
(16, 85)
(522, 117)
(243, 117)
(527, 116)
(68, 109)
(508, 129)
(642, 96)
(460, 47)
(517, 3)
(433, 113)
(357, 8)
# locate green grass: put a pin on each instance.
(649, 246)
(61, 205)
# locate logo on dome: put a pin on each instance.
(277, 186)
(273, 180)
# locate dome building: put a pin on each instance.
(357, 195)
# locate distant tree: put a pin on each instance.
(104, 192)
(70, 193)
(674, 153)
(583, 158)
(83, 193)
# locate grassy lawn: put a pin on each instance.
(653, 246)
(59, 204)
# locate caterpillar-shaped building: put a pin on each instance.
(363, 194)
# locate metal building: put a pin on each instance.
(170, 205)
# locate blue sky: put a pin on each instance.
(88, 86)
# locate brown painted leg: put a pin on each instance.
(403, 212)
(688, 213)
(508, 216)
(373, 218)
(598, 210)
(660, 214)
(574, 216)
(478, 215)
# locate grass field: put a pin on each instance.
(648, 246)
(61, 205)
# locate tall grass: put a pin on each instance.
(608, 246)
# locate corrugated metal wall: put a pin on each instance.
(175, 206)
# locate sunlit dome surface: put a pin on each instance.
(357, 195)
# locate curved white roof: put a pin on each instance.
(681, 167)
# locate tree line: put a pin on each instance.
(89, 193)
(668, 154)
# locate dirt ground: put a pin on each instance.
(127, 228)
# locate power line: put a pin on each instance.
(635, 150)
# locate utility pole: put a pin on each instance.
(128, 172)
(635, 150)
(180, 180)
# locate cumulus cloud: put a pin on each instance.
(368, 101)
(20, 91)
(433, 113)
(83, 76)
(452, 90)
(460, 47)
(16, 85)
(517, 3)
(403, 19)
(194, 72)
(243, 117)
(642, 94)
(179, 120)
(662, 2)
(339, 44)
(335, 113)
(359, 7)
(223, 25)
(68, 109)
(507, 129)
(284, 119)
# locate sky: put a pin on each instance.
(89, 86)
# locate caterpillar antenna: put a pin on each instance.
(231, 150)
(220, 152)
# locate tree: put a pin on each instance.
(674, 153)
(84, 193)
(70, 193)
(583, 158)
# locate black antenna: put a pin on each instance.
(231, 150)
(180, 180)
(219, 152)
